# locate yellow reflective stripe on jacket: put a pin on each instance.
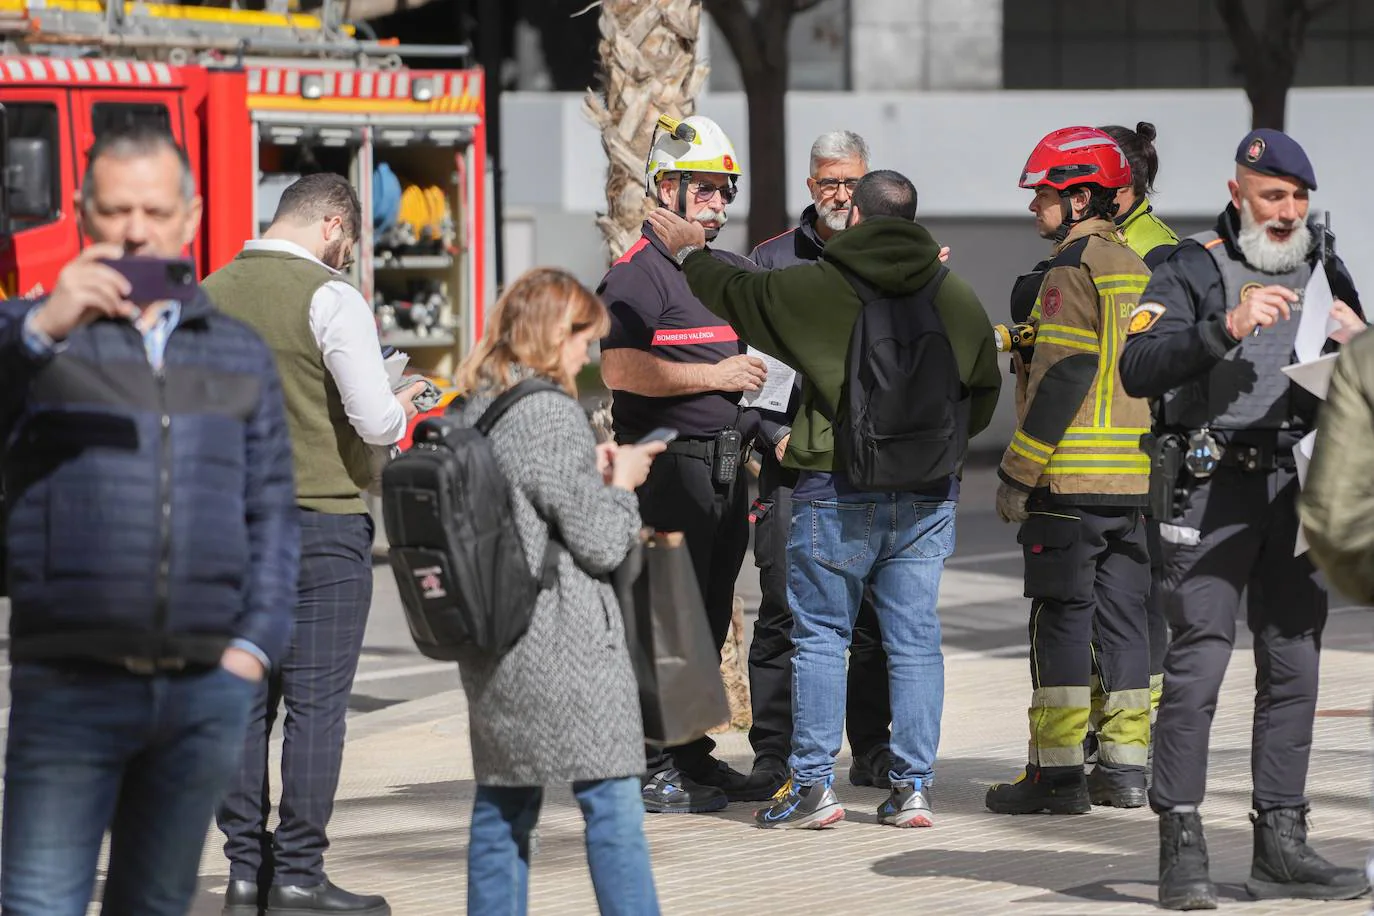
(1030, 449)
(1118, 434)
(1052, 335)
(1122, 283)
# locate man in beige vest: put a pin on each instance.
(288, 287)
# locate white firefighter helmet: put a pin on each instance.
(695, 144)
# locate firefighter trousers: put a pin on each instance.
(1237, 531)
(1087, 575)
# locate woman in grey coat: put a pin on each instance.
(562, 705)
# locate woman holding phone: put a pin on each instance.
(562, 706)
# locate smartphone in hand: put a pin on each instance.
(664, 434)
(156, 279)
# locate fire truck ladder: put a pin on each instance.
(183, 34)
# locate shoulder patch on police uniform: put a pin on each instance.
(1144, 317)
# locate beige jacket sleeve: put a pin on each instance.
(1337, 501)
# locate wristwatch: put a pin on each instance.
(683, 252)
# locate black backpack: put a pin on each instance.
(902, 420)
(455, 551)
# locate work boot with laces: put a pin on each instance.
(1184, 883)
(1047, 790)
(1285, 866)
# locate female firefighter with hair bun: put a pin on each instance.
(1075, 478)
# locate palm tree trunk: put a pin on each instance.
(649, 67)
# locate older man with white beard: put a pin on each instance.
(1213, 329)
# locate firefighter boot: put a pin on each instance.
(1183, 880)
(1051, 790)
(1117, 787)
(1285, 866)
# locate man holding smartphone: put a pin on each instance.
(670, 362)
(153, 550)
(288, 287)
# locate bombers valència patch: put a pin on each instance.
(1144, 317)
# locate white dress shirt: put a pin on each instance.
(345, 329)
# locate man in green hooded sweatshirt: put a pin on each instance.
(845, 539)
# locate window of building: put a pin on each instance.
(37, 121)
(1167, 44)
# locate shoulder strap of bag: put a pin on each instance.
(506, 400)
(548, 576)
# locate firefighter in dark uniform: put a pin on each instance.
(838, 160)
(1212, 331)
(670, 362)
(1151, 238)
(1076, 479)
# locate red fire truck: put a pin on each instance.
(257, 99)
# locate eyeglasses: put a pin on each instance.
(703, 192)
(829, 186)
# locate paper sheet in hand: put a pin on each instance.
(777, 388)
(395, 365)
(1314, 375)
(1302, 457)
(1315, 323)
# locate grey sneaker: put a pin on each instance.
(907, 806)
(810, 807)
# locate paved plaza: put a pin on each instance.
(400, 826)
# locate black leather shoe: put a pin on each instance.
(764, 781)
(242, 899)
(872, 768)
(717, 774)
(322, 898)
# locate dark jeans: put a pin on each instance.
(314, 680)
(93, 748)
(868, 711)
(680, 495)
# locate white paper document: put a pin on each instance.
(1315, 323)
(1314, 375)
(1302, 457)
(395, 365)
(777, 388)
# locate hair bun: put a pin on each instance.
(1146, 130)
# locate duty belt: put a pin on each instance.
(704, 449)
(1256, 457)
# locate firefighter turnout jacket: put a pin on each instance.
(1078, 433)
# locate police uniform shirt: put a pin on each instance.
(652, 309)
(1178, 332)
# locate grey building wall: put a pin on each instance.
(926, 44)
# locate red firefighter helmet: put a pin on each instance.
(1076, 155)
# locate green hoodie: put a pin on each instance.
(805, 316)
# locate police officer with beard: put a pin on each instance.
(1210, 335)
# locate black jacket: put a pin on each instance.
(151, 514)
(1190, 336)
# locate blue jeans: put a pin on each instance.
(894, 544)
(92, 749)
(617, 854)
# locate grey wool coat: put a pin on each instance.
(562, 705)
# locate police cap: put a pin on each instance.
(1272, 152)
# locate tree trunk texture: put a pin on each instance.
(1268, 59)
(734, 670)
(759, 43)
(649, 67)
